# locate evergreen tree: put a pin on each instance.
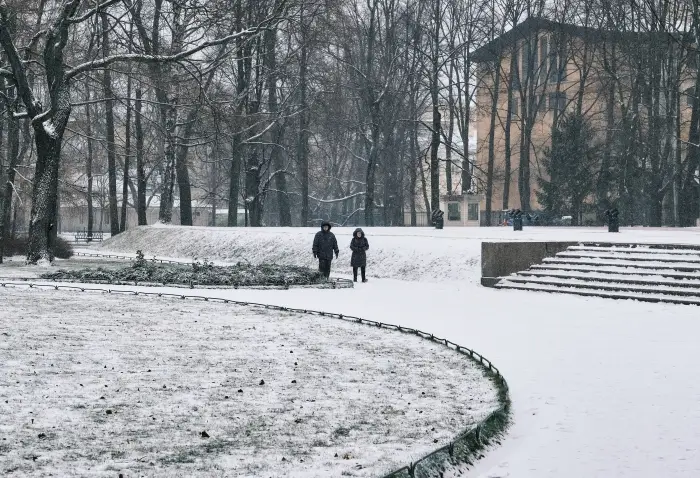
(570, 166)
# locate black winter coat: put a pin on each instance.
(358, 248)
(325, 244)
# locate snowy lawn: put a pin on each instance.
(97, 384)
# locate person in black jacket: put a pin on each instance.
(324, 246)
(359, 246)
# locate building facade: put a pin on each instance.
(533, 75)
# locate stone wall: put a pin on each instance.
(500, 259)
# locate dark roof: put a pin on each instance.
(532, 25)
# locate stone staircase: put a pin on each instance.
(645, 272)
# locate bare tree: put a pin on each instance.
(50, 123)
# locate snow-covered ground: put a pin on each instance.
(600, 388)
(417, 254)
(98, 384)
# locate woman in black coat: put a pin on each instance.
(359, 246)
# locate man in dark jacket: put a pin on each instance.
(324, 247)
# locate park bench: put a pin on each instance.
(82, 236)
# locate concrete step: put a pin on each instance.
(650, 280)
(656, 298)
(606, 262)
(641, 246)
(634, 257)
(637, 249)
(609, 286)
(618, 270)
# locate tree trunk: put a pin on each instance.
(303, 144)
(183, 178)
(88, 166)
(466, 121)
(127, 158)
(214, 184)
(690, 192)
(513, 78)
(4, 197)
(370, 176)
(277, 131)
(413, 177)
(492, 143)
(434, 159)
(168, 118)
(450, 125)
(524, 167)
(140, 173)
(234, 183)
(109, 118)
(603, 183)
(252, 187)
(8, 177)
(436, 117)
(42, 226)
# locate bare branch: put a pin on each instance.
(94, 11)
(141, 58)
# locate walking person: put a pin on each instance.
(359, 246)
(325, 245)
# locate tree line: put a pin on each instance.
(299, 110)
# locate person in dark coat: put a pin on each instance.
(324, 246)
(359, 246)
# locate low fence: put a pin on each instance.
(466, 447)
(335, 283)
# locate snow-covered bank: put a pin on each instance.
(418, 254)
(391, 256)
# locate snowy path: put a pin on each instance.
(600, 388)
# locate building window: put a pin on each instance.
(557, 65)
(473, 212)
(515, 72)
(514, 109)
(453, 213)
(529, 60)
(544, 50)
(690, 97)
(557, 102)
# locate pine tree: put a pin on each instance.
(569, 168)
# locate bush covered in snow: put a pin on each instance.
(18, 247)
(198, 273)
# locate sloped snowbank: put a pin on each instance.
(391, 255)
(418, 254)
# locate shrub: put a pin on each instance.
(240, 275)
(63, 249)
(18, 247)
